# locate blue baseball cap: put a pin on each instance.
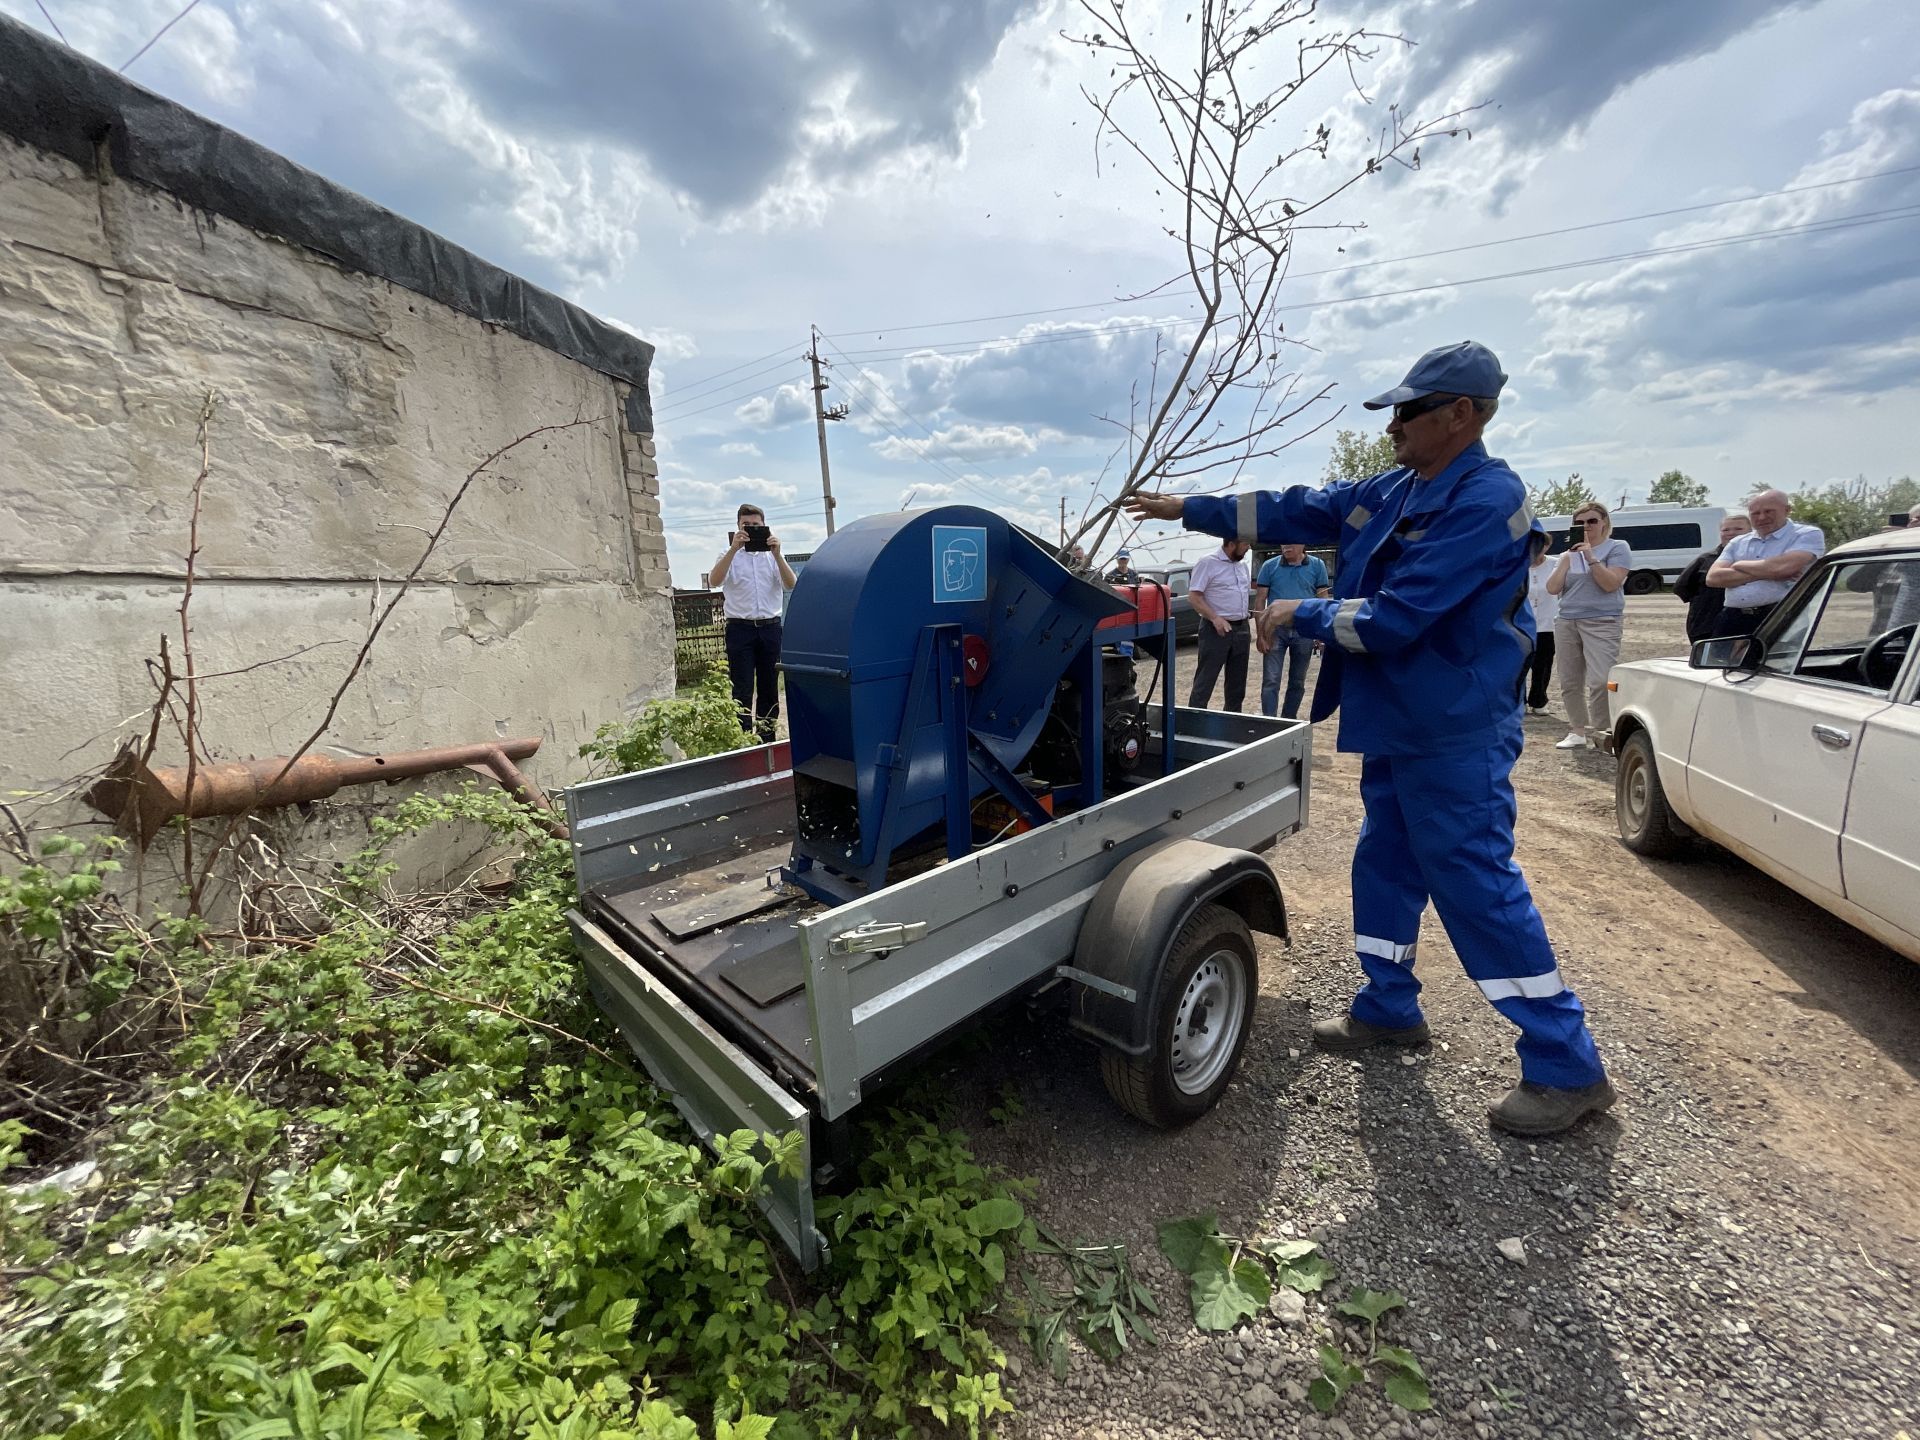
(1123, 554)
(1468, 368)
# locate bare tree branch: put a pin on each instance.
(1205, 129)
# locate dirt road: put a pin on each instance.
(1732, 1253)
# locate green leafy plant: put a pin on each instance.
(1225, 1284)
(1400, 1372)
(684, 727)
(1337, 1376)
(1103, 1302)
(1370, 1305)
(400, 1179)
(1297, 1264)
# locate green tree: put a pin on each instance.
(1676, 487)
(1356, 456)
(1848, 509)
(1562, 497)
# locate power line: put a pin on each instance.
(1812, 227)
(56, 24)
(670, 414)
(914, 447)
(157, 34)
(681, 394)
(851, 332)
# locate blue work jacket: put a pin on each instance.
(1429, 626)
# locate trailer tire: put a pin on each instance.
(1203, 1014)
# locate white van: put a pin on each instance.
(1665, 539)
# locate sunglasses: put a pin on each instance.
(1412, 409)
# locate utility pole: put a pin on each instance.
(820, 417)
(1063, 522)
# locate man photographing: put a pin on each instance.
(750, 576)
(1425, 636)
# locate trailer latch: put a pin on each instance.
(876, 935)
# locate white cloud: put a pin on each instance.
(707, 494)
(786, 405)
(966, 441)
(739, 447)
(1769, 321)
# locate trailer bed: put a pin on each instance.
(759, 1007)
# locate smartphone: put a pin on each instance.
(756, 537)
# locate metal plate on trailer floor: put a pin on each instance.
(768, 976)
(687, 918)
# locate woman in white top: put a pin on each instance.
(1593, 612)
(1546, 609)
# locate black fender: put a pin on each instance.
(1118, 961)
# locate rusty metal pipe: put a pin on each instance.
(142, 800)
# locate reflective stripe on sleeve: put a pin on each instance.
(1384, 949)
(1523, 987)
(1343, 628)
(1519, 522)
(1358, 516)
(1248, 512)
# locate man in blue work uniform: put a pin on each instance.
(1426, 633)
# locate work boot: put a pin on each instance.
(1530, 1109)
(1346, 1035)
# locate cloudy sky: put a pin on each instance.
(920, 181)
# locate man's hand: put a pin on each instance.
(1279, 613)
(1220, 627)
(739, 539)
(1150, 505)
(773, 543)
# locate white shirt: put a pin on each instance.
(1791, 535)
(1224, 583)
(1546, 606)
(752, 588)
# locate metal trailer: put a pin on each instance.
(755, 1006)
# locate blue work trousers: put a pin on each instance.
(1440, 827)
(1293, 652)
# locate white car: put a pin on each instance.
(1797, 749)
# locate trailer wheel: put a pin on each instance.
(1203, 1015)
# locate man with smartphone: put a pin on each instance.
(752, 576)
(1425, 635)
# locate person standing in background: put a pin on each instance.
(1546, 609)
(750, 576)
(1218, 589)
(1593, 613)
(1702, 600)
(1291, 575)
(1756, 570)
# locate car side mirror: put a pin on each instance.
(1723, 652)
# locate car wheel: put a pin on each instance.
(1642, 582)
(1202, 1017)
(1647, 823)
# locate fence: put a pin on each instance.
(699, 635)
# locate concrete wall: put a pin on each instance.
(347, 411)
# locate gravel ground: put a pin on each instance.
(1733, 1252)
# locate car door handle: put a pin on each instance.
(1832, 737)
